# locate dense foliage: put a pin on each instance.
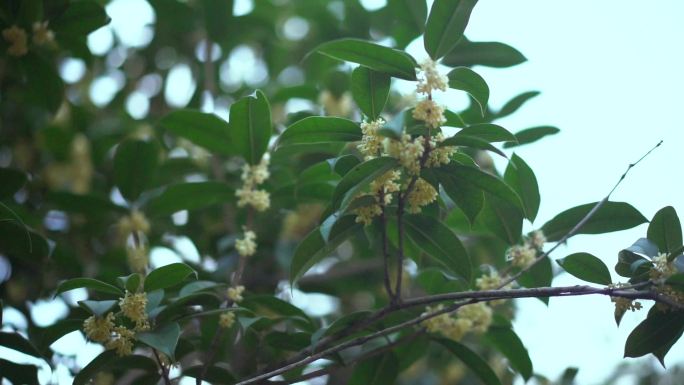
(330, 165)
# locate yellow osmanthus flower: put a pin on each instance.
(365, 214)
(336, 106)
(133, 307)
(537, 239)
(297, 224)
(81, 164)
(235, 293)
(121, 341)
(662, 268)
(431, 78)
(439, 155)
(624, 304)
(479, 314)
(408, 151)
(248, 194)
(492, 281)
(521, 255)
(430, 112)
(135, 222)
(371, 143)
(246, 246)
(42, 34)
(386, 185)
(450, 327)
(422, 194)
(137, 258)
(227, 319)
(17, 40)
(99, 329)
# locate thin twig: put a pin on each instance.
(385, 250)
(164, 370)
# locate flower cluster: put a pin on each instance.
(227, 319)
(422, 194)
(336, 106)
(246, 246)
(17, 39)
(75, 174)
(133, 307)
(492, 281)
(524, 255)
(248, 194)
(137, 258)
(235, 293)
(624, 304)
(429, 111)
(381, 190)
(662, 268)
(408, 151)
(42, 34)
(474, 318)
(439, 155)
(135, 222)
(371, 143)
(431, 78)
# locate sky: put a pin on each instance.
(611, 80)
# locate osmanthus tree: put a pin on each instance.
(388, 203)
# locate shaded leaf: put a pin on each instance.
(665, 230)
(521, 178)
(370, 90)
(586, 267)
(167, 276)
(80, 18)
(189, 196)
(487, 131)
(250, 127)
(19, 373)
(164, 338)
(379, 370)
(135, 166)
(540, 275)
(203, 129)
(312, 131)
(445, 25)
(12, 181)
(465, 79)
(506, 341)
(474, 362)
(531, 135)
(89, 283)
(612, 216)
(656, 331)
(358, 178)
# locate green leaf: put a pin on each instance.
(44, 87)
(135, 165)
(501, 219)
(358, 178)
(250, 126)
(50, 334)
(468, 198)
(19, 373)
(313, 248)
(97, 308)
(435, 281)
(379, 370)
(16, 341)
(445, 25)
(12, 181)
(514, 104)
(215, 374)
(315, 130)
(98, 363)
(665, 230)
(521, 178)
(164, 339)
(89, 283)
(274, 305)
(130, 282)
(80, 18)
(370, 90)
(167, 276)
(531, 135)
(472, 361)
(189, 196)
(288, 341)
(489, 54)
(612, 216)
(438, 241)
(656, 331)
(379, 58)
(203, 129)
(465, 79)
(409, 17)
(489, 132)
(472, 142)
(509, 344)
(586, 267)
(540, 275)
(89, 204)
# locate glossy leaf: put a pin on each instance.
(189, 196)
(12, 181)
(472, 142)
(164, 338)
(130, 282)
(438, 241)
(168, 276)
(250, 127)
(203, 129)
(506, 341)
(370, 90)
(514, 104)
(490, 54)
(314, 130)
(379, 370)
(665, 230)
(19, 373)
(383, 59)
(16, 341)
(88, 283)
(470, 359)
(97, 308)
(656, 331)
(531, 135)
(465, 79)
(358, 179)
(540, 275)
(135, 165)
(501, 219)
(612, 216)
(445, 25)
(521, 178)
(586, 267)
(487, 131)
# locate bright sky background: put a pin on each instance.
(610, 73)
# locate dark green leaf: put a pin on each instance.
(80, 18)
(540, 275)
(586, 267)
(445, 25)
(358, 178)
(472, 142)
(16, 341)
(376, 57)
(167, 276)
(501, 219)
(135, 165)
(130, 282)
(88, 283)
(665, 230)
(612, 216)
(521, 178)
(190, 196)
(314, 248)
(288, 341)
(531, 135)
(489, 132)
(656, 331)
(312, 131)
(465, 79)
(97, 308)
(215, 375)
(250, 126)
(509, 344)
(409, 17)
(203, 129)
(44, 86)
(164, 339)
(514, 104)
(472, 361)
(89, 204)
(19, 373)
(379, 370)
(12, 181)
(438, 241)
(370, 90)
(489, 54)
